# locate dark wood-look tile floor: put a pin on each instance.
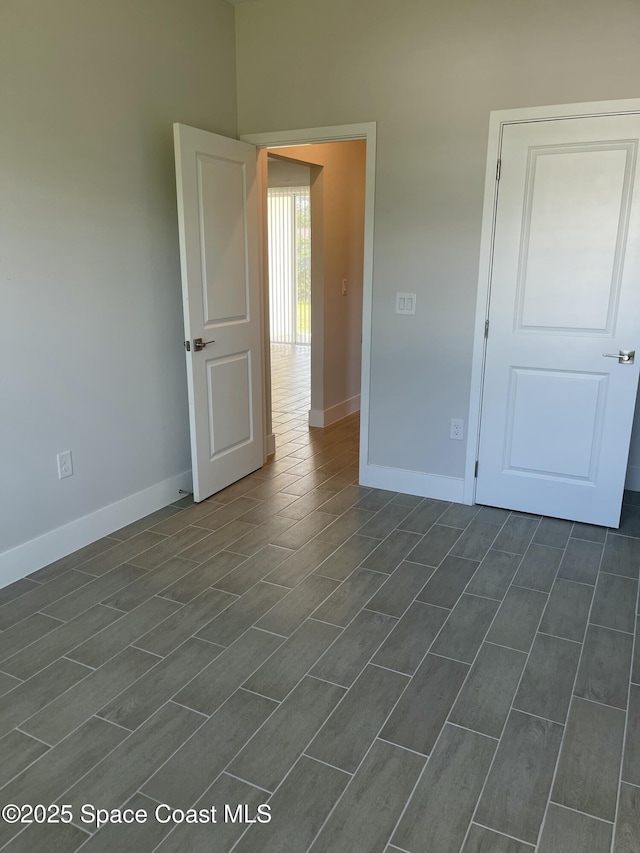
(386, 673)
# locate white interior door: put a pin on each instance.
(565, 289)
(218, 224)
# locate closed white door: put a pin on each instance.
(218, 226)
(557, 410)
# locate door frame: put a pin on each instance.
(312, 136)
(497, 121)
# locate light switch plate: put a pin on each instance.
(405, 303)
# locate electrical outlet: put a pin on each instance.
(65, 465)
(345, 282)
(456, 431)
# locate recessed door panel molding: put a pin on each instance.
(223, 239)
(556, 450)
(574, 235)
(229, 395)
(564, 270)
(218, 228)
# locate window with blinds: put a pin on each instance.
(289, 225)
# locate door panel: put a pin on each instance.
(229, 397)
(547, 451)
(225, 275)
(571, 252)
(218, 226)
(556, 414)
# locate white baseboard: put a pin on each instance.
(326, 417)
(39, 552)
(413, 483)
(632, 481)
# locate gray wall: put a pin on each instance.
(91, 355)
(428, 72)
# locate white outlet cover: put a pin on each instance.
(65, 465)
(456, 430)
(405, 303)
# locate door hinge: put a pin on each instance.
(486, 328)
(475, 474)
(498, 169)
(187, 346)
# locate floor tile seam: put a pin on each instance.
(61, 622)
(90, 671)
(78, 780)
(572, 580)
(509, 712)
(79, 613)
(634, 648)
(89, 835)
(472, 731)
(562, 723)
(413, 789)
(389, 669)
(174, 701)
(240, 779)
(343, 792)
(84, 562)
(33, 737)
(455, 660)
(609, 628)
(596, 702)
(558, 637)
(615, 531)
(610, 823)
(357, 613)
(571, 701)
(271, 633)
(498, 601)
(401, 746)
(437, 635)
(546, 592)
(618, 575)
(447, 720)
(477, 569)
(370, 660)
(131, 732)
(21, 680)
(31, 763)
(163, 658)
(305, 754)
(235, 755)
(593, 541)
(274, 711)
(257, 692)
(391, 710)
(284, 778)
(326, 681)
(192, 636)
(500, 832)
(15, 602)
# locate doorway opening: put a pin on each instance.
(315, 238)
(289, 263)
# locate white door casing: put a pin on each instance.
(565, 288)
(218, 229)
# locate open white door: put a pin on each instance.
(557, 411)
(218, 224)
